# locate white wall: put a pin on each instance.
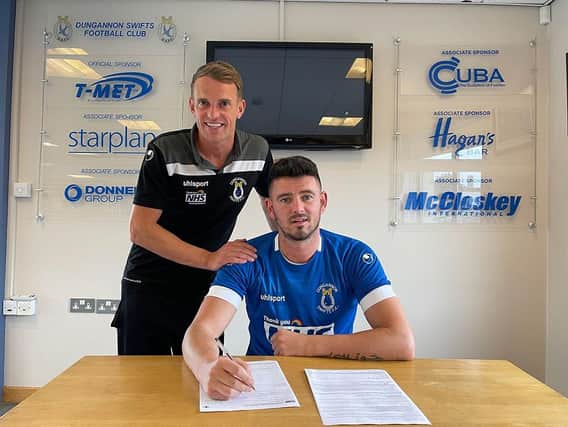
(557, 342)
(472, 294)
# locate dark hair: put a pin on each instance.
(222, 72)
(292, 167)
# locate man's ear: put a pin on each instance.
(192, 105)
(269, 207)
(323, 201)
(241, 108)
(268, 210)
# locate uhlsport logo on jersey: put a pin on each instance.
(273, 298)
(125, 86)
(462, 204)
(327, 293)
(446, 76)
(98, 194)
(238, 185)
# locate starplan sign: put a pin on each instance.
(124, 141)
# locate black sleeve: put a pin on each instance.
(262, 181)
(152, 187)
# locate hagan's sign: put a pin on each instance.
(465, 145)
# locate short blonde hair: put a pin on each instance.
(222, 72)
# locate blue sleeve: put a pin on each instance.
(234, 277)
(364, 270)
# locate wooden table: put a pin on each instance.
(161, 391)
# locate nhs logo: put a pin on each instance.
(126, 86)
(196, 197)
(446, 76)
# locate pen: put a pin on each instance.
(221, 347)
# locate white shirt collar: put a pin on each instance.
(277, 248)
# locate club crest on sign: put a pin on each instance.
(167, 30)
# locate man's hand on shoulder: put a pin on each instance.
(233, 252)
(288, 343)
(226, 378)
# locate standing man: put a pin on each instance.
(191, 187)
(301, 292)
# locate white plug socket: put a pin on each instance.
(22, 189)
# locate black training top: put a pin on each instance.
(199, 203)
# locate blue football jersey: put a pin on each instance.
(318, 297)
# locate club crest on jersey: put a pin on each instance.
(327, 292)
(368, 258)
(238, 185)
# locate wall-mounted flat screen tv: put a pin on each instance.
(304, 95)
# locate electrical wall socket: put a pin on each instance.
(20, 305)
(82, 305)
(26, 308)
(22, 189)
(10, 307)
(107, 306)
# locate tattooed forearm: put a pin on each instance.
(355, 356)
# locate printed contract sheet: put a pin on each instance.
(272, 391)
(361, 396)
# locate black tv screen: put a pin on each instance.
(304, 95)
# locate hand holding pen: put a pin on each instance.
(238, 374)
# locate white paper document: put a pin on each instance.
(272, 391)
(361, 396)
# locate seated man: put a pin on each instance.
(301, 292)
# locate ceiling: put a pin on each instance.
(461, 2)
(484, 2)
